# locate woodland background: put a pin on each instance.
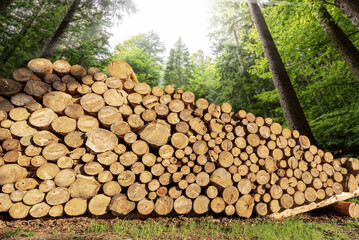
(78, 31)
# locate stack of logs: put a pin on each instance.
(76, 141)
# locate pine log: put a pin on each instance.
(301, 209)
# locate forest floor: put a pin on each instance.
(315, 225)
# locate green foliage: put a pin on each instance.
(26, 26)
(142, 52)
(178, 67)
(238, 73)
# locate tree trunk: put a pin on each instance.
(50, 46)
(341, 42)
(351, 9)
(292, 110)
(4, 4)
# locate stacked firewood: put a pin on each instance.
(76, 141)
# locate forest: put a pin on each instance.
(317, 41)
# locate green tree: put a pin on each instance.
(142, 52)
(178, 67)
(324, 84)
(204, 80)
(292, 109)
(89, 10)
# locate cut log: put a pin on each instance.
(302, 209)
(244, 206)
(98, 204)
(145, 207)
(19, 210)
(164, 205)
(201, 204)
(156, 134)
(344, 208)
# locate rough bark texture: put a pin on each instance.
(292, 110)
(341, 42)
(351, 9)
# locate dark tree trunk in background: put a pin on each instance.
(351, 9)
(51, 45)
(341, 41)
(292, 110)
(4, 4)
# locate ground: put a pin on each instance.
(315, 225)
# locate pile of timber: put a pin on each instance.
(76, 141)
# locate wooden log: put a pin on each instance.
(26, 184)
(39, 210)
(84, 187)
(98, 204)
(244, 206)
(179, 140)
(244, 186)
(221, 178)
(314, 205)
(261, 208)
(126, 178)
(22, 129)
(57, 196)
(344, 208)
(111, 188)
(92, 102)
(11, 173)
(101, 140)
(201, 204)
(145, 207)
(75, 207)
(121, 70)
(15, 196)
(5, 201)
(193, 190)
(164, 205)
(19, 210)
(37, 88)
(33, 197)
(136, 192)
(156, 133)
(198, 126)
(47, 185)
(23, 74)
(114, 83)
(230, 195)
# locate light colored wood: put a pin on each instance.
(201, 204)
(306, 208)
(98, 204)
(156, 133)
(84, 187)
(75, 207)
(182, 205)
(164, 205)
(19, 210)
(56, 211)
(221, 178)
(145, 206)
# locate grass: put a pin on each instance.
(299, 227)
(18, 232)
(293, 228)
